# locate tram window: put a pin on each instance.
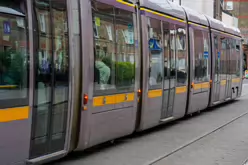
(232, 57)
(238, 57)
(155, 53)
(125, 66)
(202, 51)
(198, 44)
(206, 56)
(217, 59)
(181, 56)
(172, 62)
(104, 38)
(114, 48)
(13, 57)
(223, 60)
(228, 51)
(166, 28)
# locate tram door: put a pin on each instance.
(51, 77)
(169, 81)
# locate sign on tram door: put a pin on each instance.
(246, 74)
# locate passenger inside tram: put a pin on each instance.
(104, 70)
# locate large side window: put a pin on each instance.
(155, 53)
(181, 56)
(114, 48)
(13, 58)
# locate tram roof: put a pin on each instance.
(7, 10)
(218, 25)
(164, 6)
(196, 17)
(233, 30)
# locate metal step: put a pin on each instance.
(217, 102)
(227, 99)
(167, 119)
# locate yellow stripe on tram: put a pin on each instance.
(180, 90)
(223, 82)
(205, 27)
(125, 3)
(197, 86)
(13, 114)
(155, 93)
(113, 99)
(236, 80)
(205, 85)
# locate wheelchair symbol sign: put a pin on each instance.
(6, 27)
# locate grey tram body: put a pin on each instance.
(117, 113)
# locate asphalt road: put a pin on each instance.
(218, 136)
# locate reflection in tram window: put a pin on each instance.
(181, 56)
(125, 49)
(114, 49)
(13, 57)
(202, 52)
(103, 23)
(155, 53)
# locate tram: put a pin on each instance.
(77, 73)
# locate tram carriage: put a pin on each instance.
(77, 73)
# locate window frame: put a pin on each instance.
(19, 102)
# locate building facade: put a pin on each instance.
(239, 9)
